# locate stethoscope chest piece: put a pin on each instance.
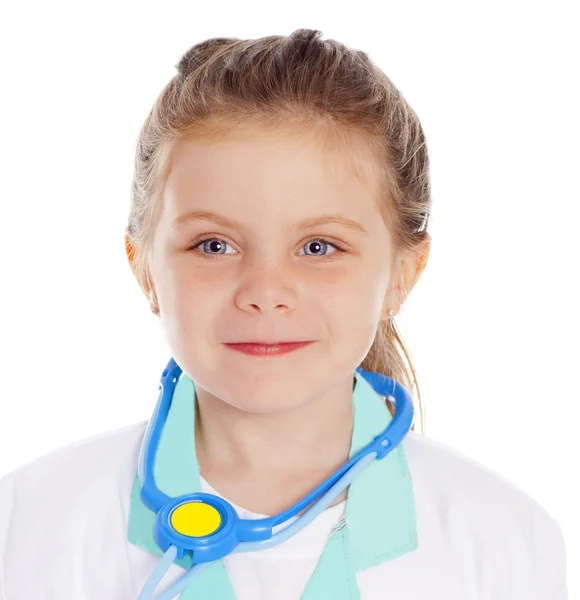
(201, 523)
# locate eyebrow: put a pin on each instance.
(202, 215)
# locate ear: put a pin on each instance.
(130, 251)
(425, 251)
(146, 283)
(406, 274)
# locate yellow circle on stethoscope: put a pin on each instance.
(195, 519)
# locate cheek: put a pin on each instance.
(183, 303)
(360, 296)
(176, 284)
(190, 304)
(353, 312)
(187, 326)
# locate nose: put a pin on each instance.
(266, 288)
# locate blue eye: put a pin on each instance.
(319, 243)
(215, 246)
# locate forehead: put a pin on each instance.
(284, 157)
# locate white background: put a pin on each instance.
(493, 324)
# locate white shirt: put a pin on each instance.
(63, 534)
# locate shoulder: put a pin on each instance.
(460, 483)
(473, 510)
(62, 509)
(72, 468)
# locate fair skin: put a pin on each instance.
(270, 429)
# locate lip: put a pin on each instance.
(268, 349)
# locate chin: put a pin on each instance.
(264, 409)
(260, 403)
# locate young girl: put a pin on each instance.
(278, 222)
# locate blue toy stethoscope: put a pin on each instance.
(208, 527)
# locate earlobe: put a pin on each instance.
(390, 308)
(146, 283)
(414, 265)
(409, 271)
(151, 294)
(150, 291)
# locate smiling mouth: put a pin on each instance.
(268, 349)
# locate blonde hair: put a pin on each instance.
(303, 80)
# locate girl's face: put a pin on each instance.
(258, 271)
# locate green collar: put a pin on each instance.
(380, 506)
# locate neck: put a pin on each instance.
(284, 455)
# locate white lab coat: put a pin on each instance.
(63, 534)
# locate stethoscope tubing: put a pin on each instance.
(277, 538)
(154, 498)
